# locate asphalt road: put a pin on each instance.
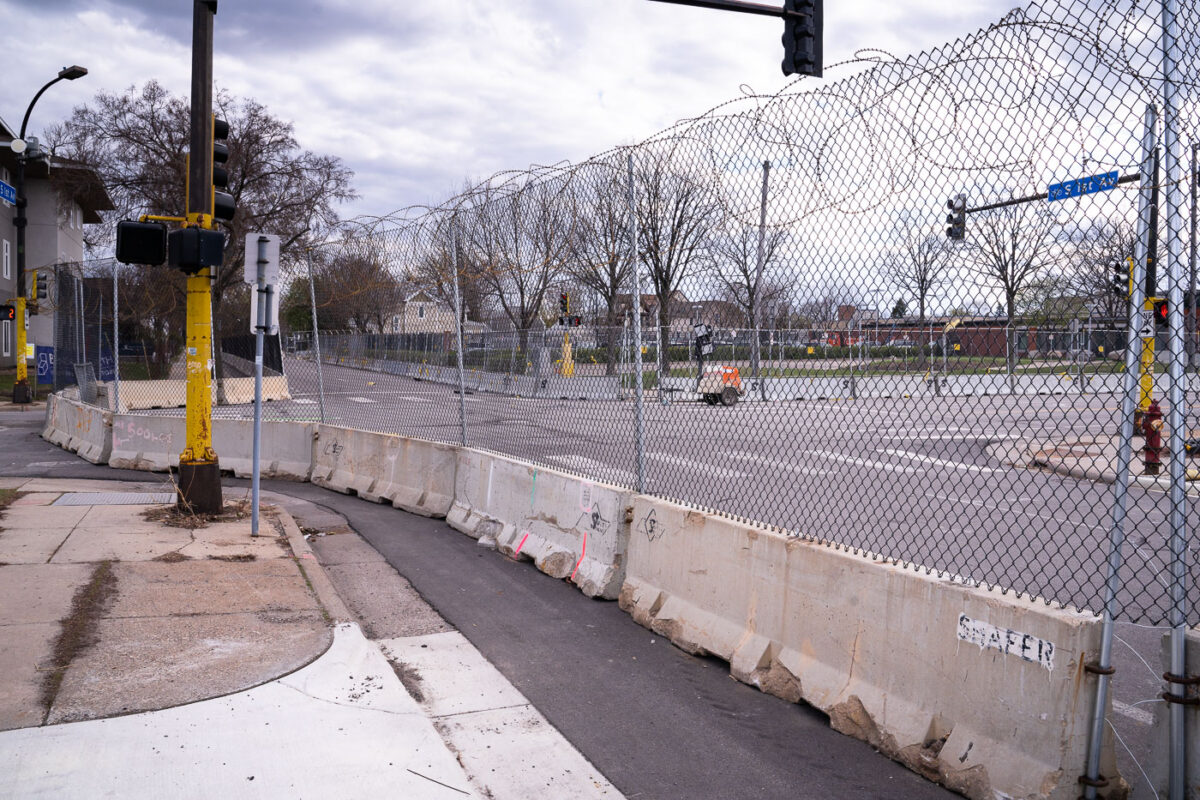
(908, 478)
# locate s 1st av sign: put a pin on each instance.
(8, 193)
(1081, 186)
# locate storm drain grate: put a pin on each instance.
(115, 499)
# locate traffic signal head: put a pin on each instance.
(193, 249)
(564, 302)
(40, 291)
(1120, 278)
(224, 206)
(956, 220)
(802, 24)
(141, 242)
(1160, 314)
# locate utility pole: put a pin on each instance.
(199, 470)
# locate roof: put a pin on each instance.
(72, 178)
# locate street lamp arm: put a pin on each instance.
(33, 102)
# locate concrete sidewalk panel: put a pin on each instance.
(570, 527)
(412, 474)
(25, 649)
(982, 692)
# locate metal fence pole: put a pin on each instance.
(116, 340)
(1129, 395)
(458, 330)
(1176, 687)
(756, 353)
(316, 337)
(636, 310)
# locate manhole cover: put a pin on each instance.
(115, 499)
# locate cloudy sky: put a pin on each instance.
(418, 95)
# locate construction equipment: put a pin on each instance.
(720, 384)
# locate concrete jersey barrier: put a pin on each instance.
(411, 474)
(983, 693)
(569, 527)
(79, 428)
(154, 444)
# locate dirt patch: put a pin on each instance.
(236, 557)
(410, 678)
(7, 496)
(78, 628)
(174, 557)
(176, 517)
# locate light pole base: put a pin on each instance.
(200, 488)
(22, 392)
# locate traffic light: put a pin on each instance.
(193, 249)
(956, 220)
(802, 24)
(564, 303)
(1120, 279)
(40, 292)
(224, 206)
(141, 243)
(8, 313)
(1160, 314)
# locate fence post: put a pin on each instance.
(316, 337)
(635, 306)
(756, 352)
(1176, 420)
(462, 381)
(1116, 540)
(116, 342)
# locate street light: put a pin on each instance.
(21, 391)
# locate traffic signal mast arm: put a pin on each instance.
(736, 5)
(1136, 176)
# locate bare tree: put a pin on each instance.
(522, 240)
(919, 266)
(137, 140)
(1012, 248)
(599, 254)
(676, 213)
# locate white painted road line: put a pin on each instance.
(506, 746)
(360, 400)
(941, 462)
(1135, 714)
(301, 402)
(862, 462)
(779, 465)
(699, 466)
(590, 466)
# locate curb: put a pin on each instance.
(322, 587)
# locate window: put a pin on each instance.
(421, 312)
(7, 260)
(6, 338)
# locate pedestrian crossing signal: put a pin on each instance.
(8, 313)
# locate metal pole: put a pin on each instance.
(1177, 763)
(262, 293)
(116, 341)
(1116, 537)
(1191, 318)
(636, 311)
(458, 330)
(758, 273)
(316, 332)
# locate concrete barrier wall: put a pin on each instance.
(79, 427)
(154, 444)
(411, 474)
(570, 527)
(1158, 768)
(983, 693)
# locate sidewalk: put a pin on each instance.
(142, 655)
(1091, 458)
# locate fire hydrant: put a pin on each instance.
(1152, 424)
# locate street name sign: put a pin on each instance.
(1081, 186)
(8, 193)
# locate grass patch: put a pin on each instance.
(7, 496)
(78, 631)
(175, 517)
(174, 557)
(236, 558)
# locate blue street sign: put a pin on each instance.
(1082, 186)
(8, 193)
(45, 364)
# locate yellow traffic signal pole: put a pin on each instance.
(199, 470)
(1147, 376)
